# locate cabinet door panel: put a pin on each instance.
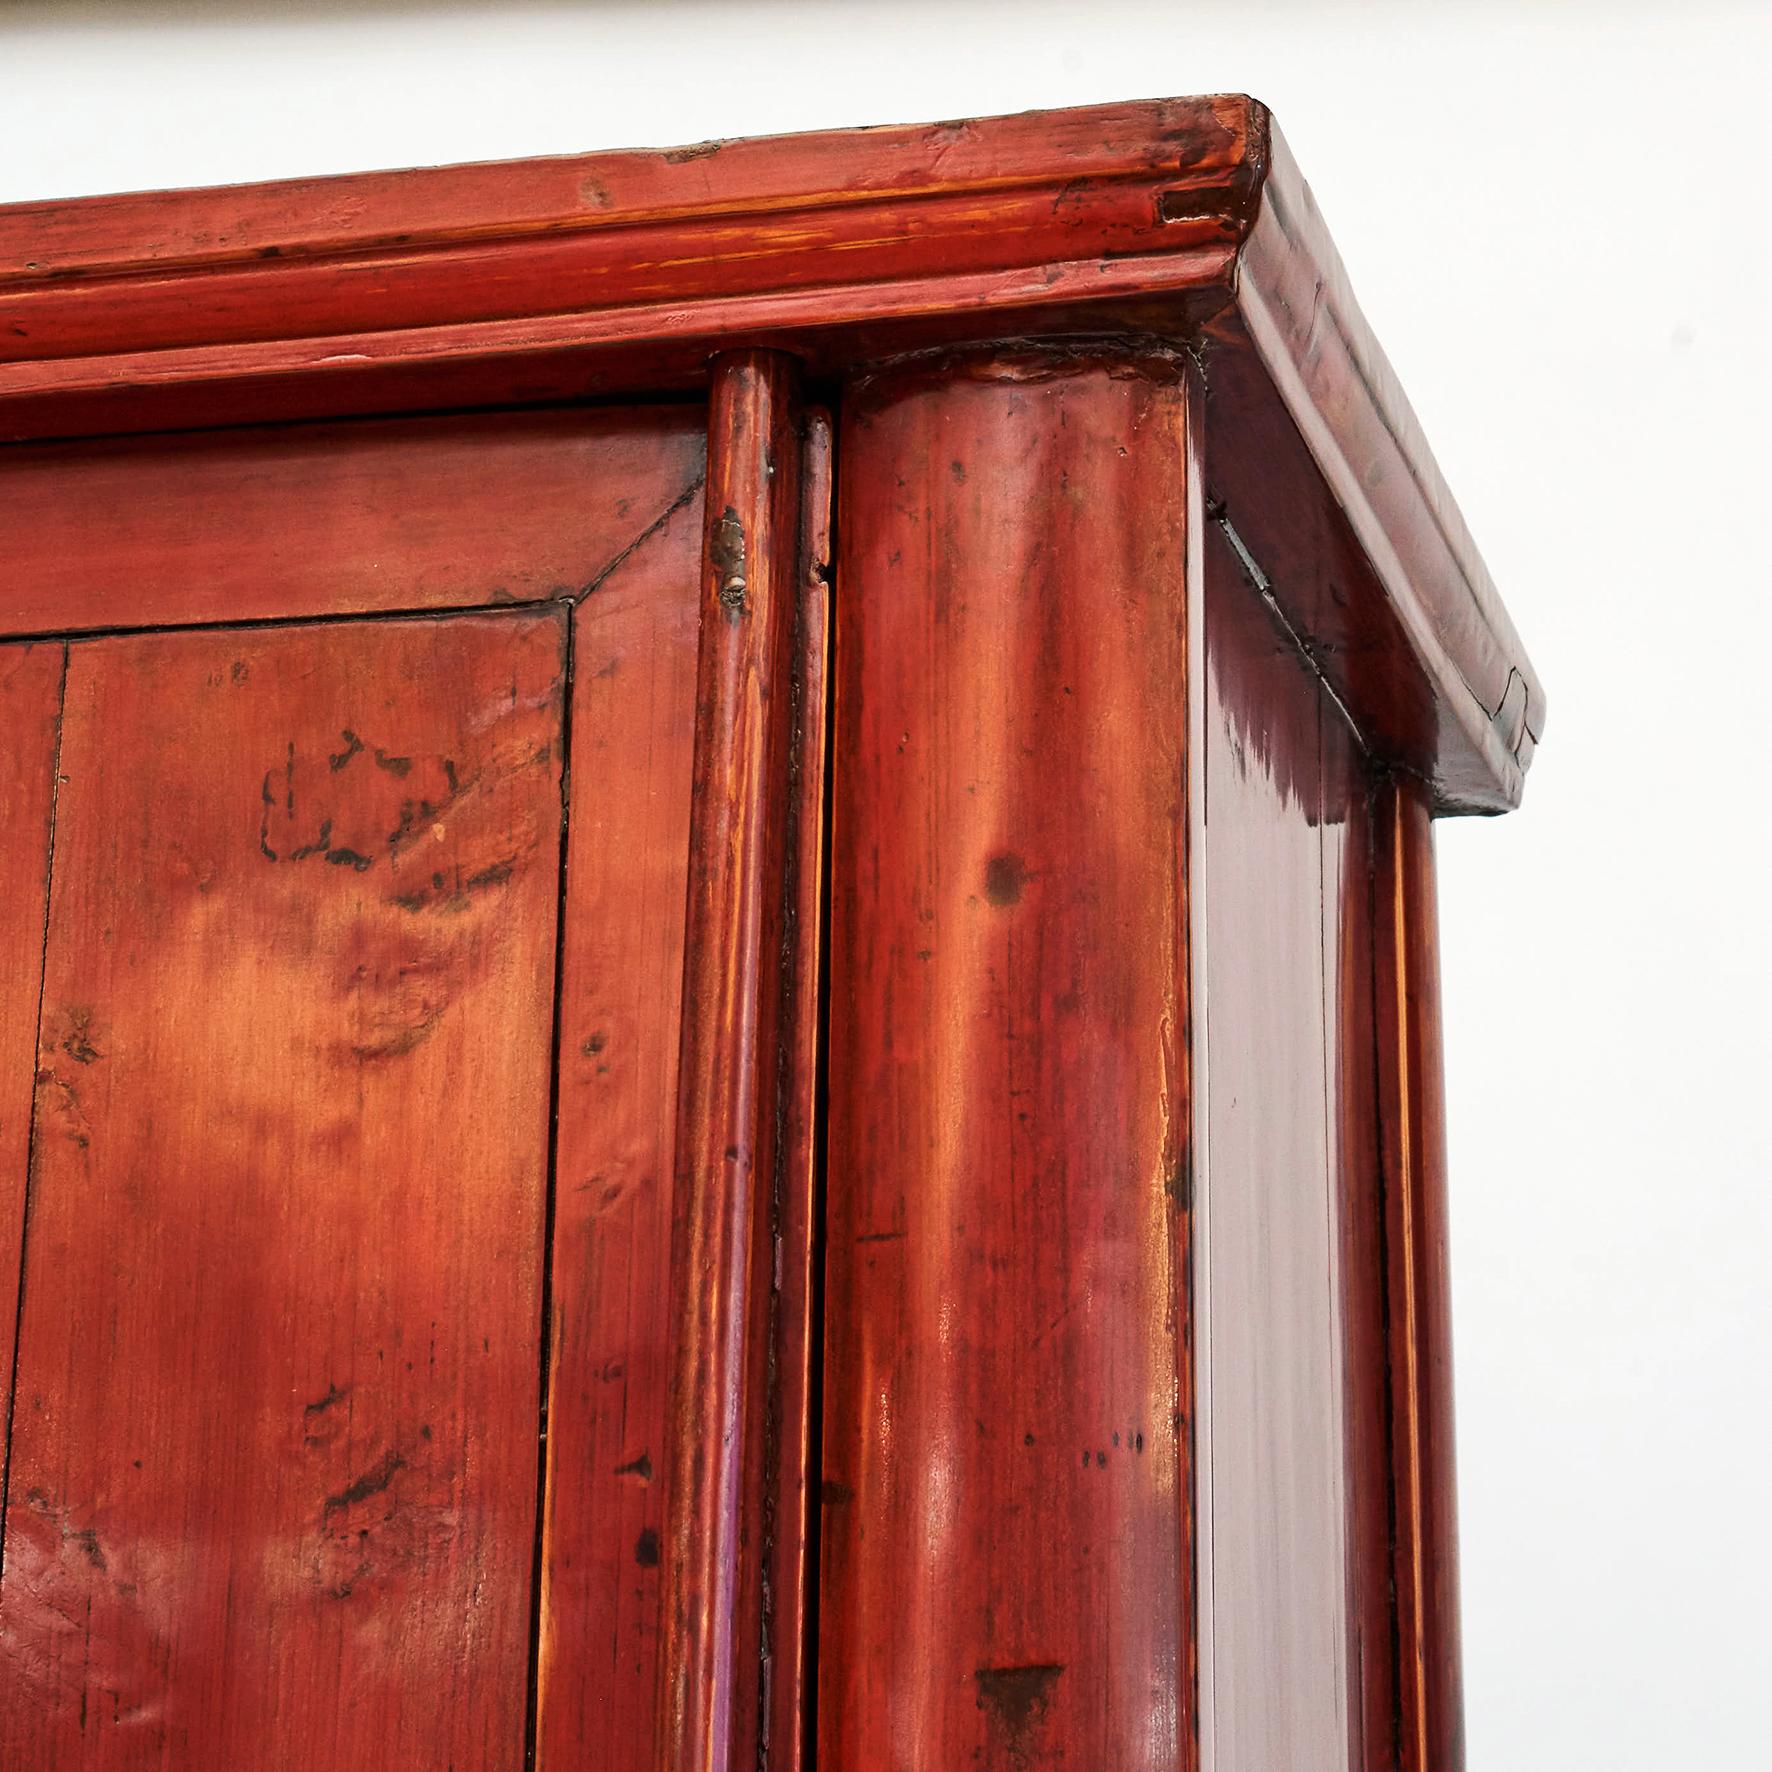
(30, 717)
(272, 1480)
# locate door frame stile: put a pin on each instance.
(711, 1606)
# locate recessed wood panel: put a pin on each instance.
(273, 1472)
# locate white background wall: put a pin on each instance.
(1555, 218)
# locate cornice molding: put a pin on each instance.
(1181, 221)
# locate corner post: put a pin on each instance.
(1413, 1119)
(1006, 1549)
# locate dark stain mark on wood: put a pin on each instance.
(1016, 1700)
(76, 1042)
(402, 1040)
(321, 1404)
(415, 815)
(1180, 1187)
(87, 1540)
(726, 554)
(640, 1467)
(83, 1538)
(1005, 874)
(881, 1237)
(268, 794)
(441, 896)
(321, 843)
(494, 875)
(646, 1549)
(75, 1127)
(320, 1426)
(319, 846)
(355, 747)
(372, 1482)
(835, 1494)
(1070, 195)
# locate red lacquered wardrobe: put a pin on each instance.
(719, 1041)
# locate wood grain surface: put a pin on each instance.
(1006, 1531)
(790, 1639)
(1412, 1107)
(30, 716)
(728, 1102)
(969, 1031)
(671, 233)
(334, 519)
(624, 274)
(613, 1308)
(273, 1473)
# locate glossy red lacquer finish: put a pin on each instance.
(1006, 1519)
(727, 1133)
(623, 229)
(633, 728)
(793, 1396)
(1183, 220)
(1350, 934)
(1034, 1355)
(1412, 1105)
(272, 1475)
(334, 519)
(30, 716)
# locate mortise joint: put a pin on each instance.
(1174, 206)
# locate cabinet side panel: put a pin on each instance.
(272, 1494)
(1278, 777)
(30, 716)
(1004, 1549)
(633, 714)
